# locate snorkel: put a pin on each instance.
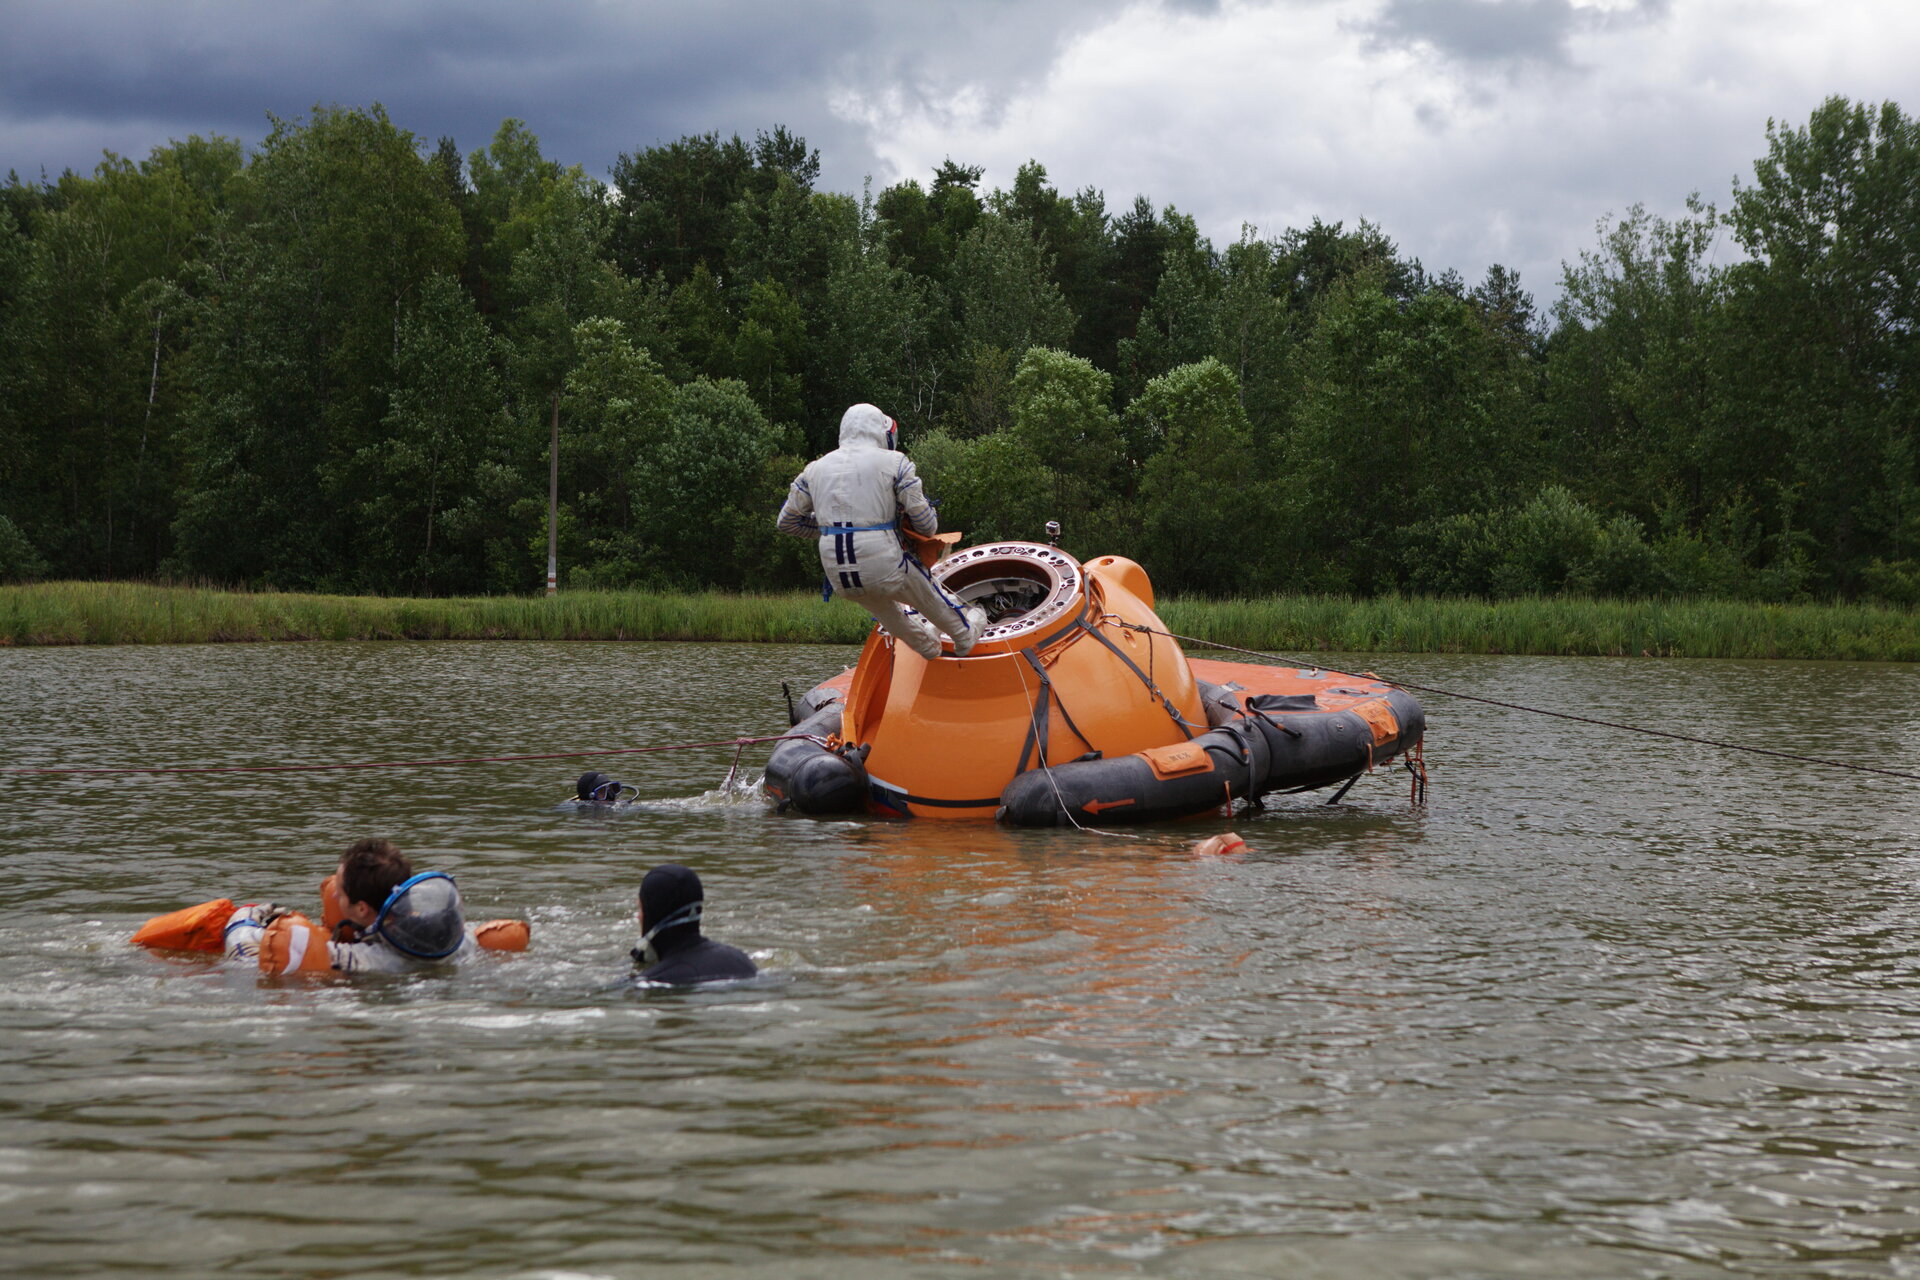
(689, 914)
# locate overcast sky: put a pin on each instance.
(1471, 131)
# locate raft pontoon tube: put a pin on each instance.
(1075, 706)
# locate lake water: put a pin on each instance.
(1610, 1006)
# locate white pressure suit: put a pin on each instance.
(421, 925)
(852, 500)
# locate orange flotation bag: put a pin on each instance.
(294, 944)
(1228, 844)
(199, 928)
(333, 903)
(503, 935)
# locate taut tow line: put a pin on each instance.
(740, 743)
(1562, 715)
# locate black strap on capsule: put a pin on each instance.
(1037, 725)
(1186, 727)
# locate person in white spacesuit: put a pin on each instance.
(853, 501)
(378, 917)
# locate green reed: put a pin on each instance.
(136, 613)
(1563, 625)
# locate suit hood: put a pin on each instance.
(864, 427)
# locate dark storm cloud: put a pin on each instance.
(1496, 31)
(591, 81)
(1474, 131)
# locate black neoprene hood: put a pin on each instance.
(666, 889)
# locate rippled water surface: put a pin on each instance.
(1611, 1006)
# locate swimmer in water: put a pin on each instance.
(671, 946)
(595, 787)
(377, 916)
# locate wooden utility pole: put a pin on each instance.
(553, 502)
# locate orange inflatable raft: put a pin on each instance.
(1074, 706)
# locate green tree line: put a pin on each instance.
(332, 364)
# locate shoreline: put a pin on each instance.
(110, 613)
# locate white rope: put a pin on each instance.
(1033, 722)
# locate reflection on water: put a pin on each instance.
(1611, 1006)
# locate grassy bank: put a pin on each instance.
(129, 613)
(132, 613)
(1565, 626)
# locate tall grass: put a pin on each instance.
(130, 613)
(1554, 625)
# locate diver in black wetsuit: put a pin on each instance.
(671, 947)
(595, 787)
